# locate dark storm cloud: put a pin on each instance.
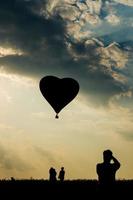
(43, 42)
(96, 79)
(39, 38)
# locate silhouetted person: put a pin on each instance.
(12, 178)
(106, 171)
(52, 174)
(61, 174)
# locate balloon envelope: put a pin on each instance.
(58, 92)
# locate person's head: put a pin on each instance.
(107, 156)
(62, 168)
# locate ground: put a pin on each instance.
(69, 189)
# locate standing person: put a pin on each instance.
(52, 174)
(106, 171)
(61, 174)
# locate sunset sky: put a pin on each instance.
(90, 41)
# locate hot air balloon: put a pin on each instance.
(58, 92)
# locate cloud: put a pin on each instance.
(69, 38)
(126, 2)
(9, 160)
(9, 51)
(113, 19)
(45, 154)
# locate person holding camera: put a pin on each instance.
(106, 171)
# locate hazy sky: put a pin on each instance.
(90, 41)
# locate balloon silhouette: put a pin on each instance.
(58, 92)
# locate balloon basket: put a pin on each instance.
(56, 117)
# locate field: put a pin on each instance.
(69, 189)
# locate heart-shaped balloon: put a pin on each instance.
(58, 92)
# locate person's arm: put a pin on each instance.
(98, 169)
(116, 162)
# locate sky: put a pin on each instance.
(89, 41)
